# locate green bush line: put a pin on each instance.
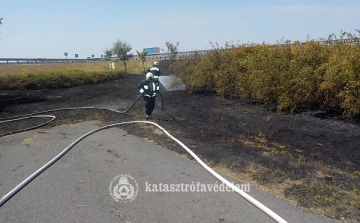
(290, 77)
(58, 79)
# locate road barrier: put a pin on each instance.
(44, 60)
(158, 56)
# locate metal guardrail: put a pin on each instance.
(44, 60)
(159, 56)
(165, 56)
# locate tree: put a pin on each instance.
(172, 50)
(121, 49)
(142, 56)
(108, 54)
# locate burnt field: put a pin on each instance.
(310, 158)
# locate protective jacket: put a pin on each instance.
(155, 70)
(148, 88)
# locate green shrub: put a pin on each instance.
(350, 96)
(288, 76)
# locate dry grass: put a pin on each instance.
(132, 67)
(284, 171)
(37, 68)
(135, 67)
(58, 75)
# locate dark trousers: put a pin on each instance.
(149, 104)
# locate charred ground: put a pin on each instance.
(309, 157)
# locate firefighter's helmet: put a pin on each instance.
(149, 76)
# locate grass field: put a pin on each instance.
(59, 75)
(132, 67)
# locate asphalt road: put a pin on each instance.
(79, 187)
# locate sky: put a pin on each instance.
(49, 28)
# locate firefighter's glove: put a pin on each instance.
(141, 90)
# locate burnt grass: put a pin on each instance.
(311, 158)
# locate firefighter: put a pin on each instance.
(155, 70)
(148, 88)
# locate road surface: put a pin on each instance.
(80, 186)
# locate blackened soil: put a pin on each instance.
(236, 131)
(201, 118)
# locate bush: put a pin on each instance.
(288, 76)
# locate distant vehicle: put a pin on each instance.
(152, 50)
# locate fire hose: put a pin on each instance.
(20, 186)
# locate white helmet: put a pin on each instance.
(149, 76)
(156, 63)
